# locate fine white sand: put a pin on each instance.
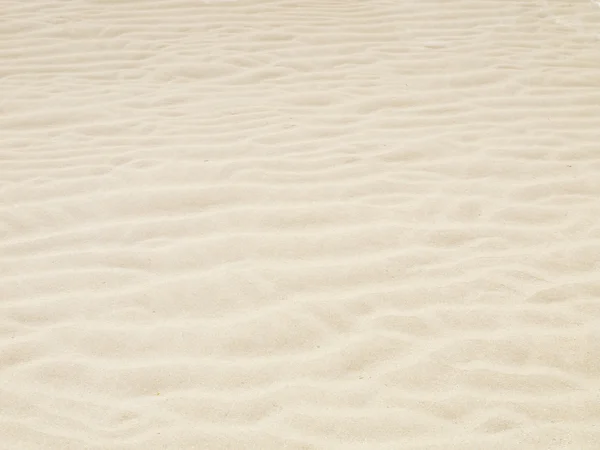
(287, 224)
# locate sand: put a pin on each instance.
(285, 224)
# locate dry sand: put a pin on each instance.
(300, 224)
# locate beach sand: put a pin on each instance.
(290, 224)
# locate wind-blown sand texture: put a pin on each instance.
(300, 224)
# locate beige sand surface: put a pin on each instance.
(287, 224)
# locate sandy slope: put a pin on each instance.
(300, 224)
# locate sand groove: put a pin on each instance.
(302, 225)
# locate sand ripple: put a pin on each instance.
(304, 225)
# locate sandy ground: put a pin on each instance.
(300, 224)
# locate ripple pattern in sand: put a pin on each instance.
(301, 225)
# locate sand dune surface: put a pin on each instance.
(289, 224)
